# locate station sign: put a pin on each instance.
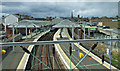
(91, 28)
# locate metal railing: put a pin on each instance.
(56, 42)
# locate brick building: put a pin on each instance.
(111, 22)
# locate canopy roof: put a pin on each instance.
(56, 20)
(30, 24)
(66, 24)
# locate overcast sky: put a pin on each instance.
(61, 9)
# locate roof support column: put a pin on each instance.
(84, 30)
(72, 36)
(13, 36)
(26, 32)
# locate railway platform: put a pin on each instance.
(13, 58)
(91, 62)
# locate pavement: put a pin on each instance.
(11, 59)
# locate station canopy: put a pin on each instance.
(23, 24)
(41, 23)
(30, 24)
(56, 21)
(66, 24)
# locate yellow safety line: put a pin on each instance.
(61, 50)
(25, 55)
(89, 54)
(65, 56)
(92, 56)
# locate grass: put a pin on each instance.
(103, 48)
(116, 57)
(115, 63)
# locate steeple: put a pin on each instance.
(72, 14)
(78, 16)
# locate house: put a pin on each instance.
(15, 18)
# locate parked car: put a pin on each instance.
(99, 26)
(106, 27)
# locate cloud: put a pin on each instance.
(61, 9)
(60, 0)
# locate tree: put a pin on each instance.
(118, 24)
(117, 16)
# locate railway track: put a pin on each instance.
(45, 54)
